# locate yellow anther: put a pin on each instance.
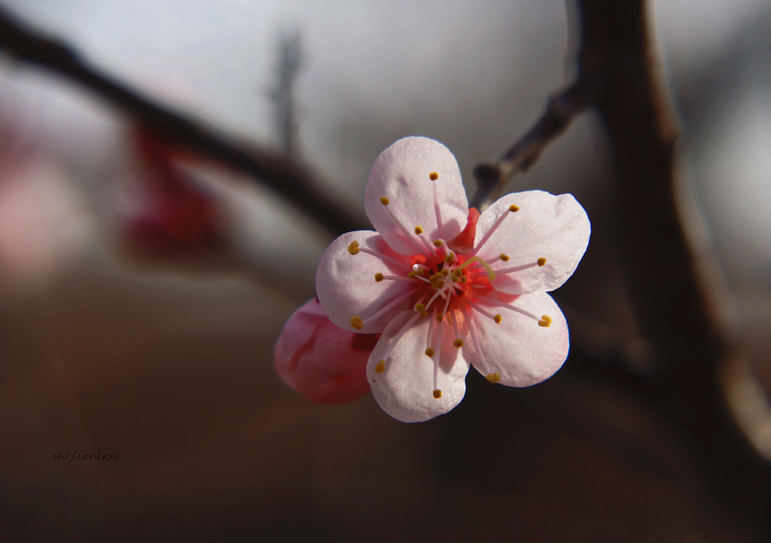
(458, 343)
(413, 273)
(463, 279)
(379, 277)
(433, 176)
(429, 352)
(494, 377)
(498, 319)
(420, 308)
(418, 230)
(512, 207)
(353, 248)
(545, 321)
(438, 242)
(541, 261)
(437, 394)
(445, 272)
(504, 257)
(384, 200)
(449, 258)
(380, 367)
(438, 318)
(435, 277)
(356, 322)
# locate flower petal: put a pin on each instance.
(405, 388)
(518, 349)
(545, 226)
(318, 359)
(402, 174)
(346, 286)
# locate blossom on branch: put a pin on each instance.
(447, 287)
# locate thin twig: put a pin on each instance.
(287, 177)
(562, 109)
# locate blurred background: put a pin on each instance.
(141, 290)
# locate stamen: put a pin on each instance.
(507, 306)
(356, 322)
(545, 321)
(439, 226)
(353, 248)
(494, 377)
(482, 360)
(438, 242)
(437, 393)
(398, 337)
(504, 257)
(399, 278)
(434, 297)
(438, 356)
(381, 256)
(384, 200)
(380, 367)
(458, 341)
(512, 209)
(449, 258)
(496, 318)
(433, 176)
(379, 277)
(541, 261)
(386, 309)
(429, 352)
(413, 273)
(418, 230)
(517, 268)
(398, 223)
(420, 308)
(424, 239)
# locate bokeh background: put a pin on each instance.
(161, 355)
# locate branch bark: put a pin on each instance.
(287, 177)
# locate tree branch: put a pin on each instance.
(287, 177)
(561, 110)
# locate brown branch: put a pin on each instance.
(562, 109)
(277, 171)
(671, 298)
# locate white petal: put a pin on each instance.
(402, 175)
(405, 388)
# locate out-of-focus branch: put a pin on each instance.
(492, 179)
(277, 171)
(290, 61)
(672, 298)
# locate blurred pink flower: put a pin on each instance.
(448, 287)
(172, 217)
(43, 218)
(320, 360)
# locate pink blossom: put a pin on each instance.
(446, 292)
(320, 360)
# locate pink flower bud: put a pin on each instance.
(320, 360)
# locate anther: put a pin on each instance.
(356, 322)
(353, 248)
(418, 230)
(430, 352)
(380, 367)
(445, 272)
(433, 176)
(420, 308)
(384, 200)
(413, 273)
(541, 261)
(458, 343)
(504, 257)
(438, 318)
(494, 377)
(449, 258)
(379, 277)
(545, 321)
(513, 207)
(437, 394)
(438, 242)
(498, 319)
